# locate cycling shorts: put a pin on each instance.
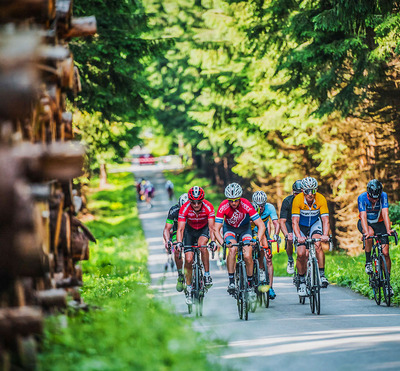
(307, 232)
(191, 236)
(378, 228)
(242, 233)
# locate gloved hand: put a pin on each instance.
(213, 245)
(168, 246)
(179, 246)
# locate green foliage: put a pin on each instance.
(394, 213)
(129, 330)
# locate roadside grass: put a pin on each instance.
(129, 330)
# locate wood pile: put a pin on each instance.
(41, 240)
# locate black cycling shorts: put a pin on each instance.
(242, 233)
(378, 228)
(191, 236)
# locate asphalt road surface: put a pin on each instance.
(351, 333)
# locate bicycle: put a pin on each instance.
(380, 278)
(241, 293)
(313, 279)
(170, 261)
(198, 287)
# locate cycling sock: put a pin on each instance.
(290, 258)
(231, 277)
(302, 278)
(207, 274)
(180, 273)
(189, 288)
(250, 280)
(321, 271)
(368, 257)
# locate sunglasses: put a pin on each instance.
(310, 191)
(196, 202)
(233, 199)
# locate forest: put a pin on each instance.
(263, 92)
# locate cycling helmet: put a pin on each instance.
(309, 183)
(296, 187)
(374, 188)
(183, 199)
(196, 193)
(233, 191)
(259, 198)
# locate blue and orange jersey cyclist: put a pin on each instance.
(309, 214)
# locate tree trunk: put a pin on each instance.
(103, 175)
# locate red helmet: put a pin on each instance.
(196, 193)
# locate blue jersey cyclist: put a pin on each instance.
(373, 207)
(267, 212)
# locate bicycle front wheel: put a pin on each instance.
(239, 291)
(256, 278)
(245, 292)
(375, 281)
(385, 280)
(317, 288)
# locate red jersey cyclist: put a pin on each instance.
(198, 216)
(234, 215)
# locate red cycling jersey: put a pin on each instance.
(236, 217)
(196, 220)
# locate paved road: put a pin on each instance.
(351, 333)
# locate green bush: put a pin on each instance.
(129, 330)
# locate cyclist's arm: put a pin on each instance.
(296, 227)
(180, 230)
(211, 223)
(386, 220)
(261, 231)
(217, 232)
(364, 223)
(325, 226)
(167, 231)
(276, 226)
(282, 224)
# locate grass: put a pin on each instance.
(130, 330)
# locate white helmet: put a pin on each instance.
(183, 199)
(259, 198)
(233, 190)
(309, 183)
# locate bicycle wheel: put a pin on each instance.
(239, 291)
(309, 286)
(385, 280)
(266, 287)
(245, 295)
(196, 289)
(317, 287)
(256, 278)
(374, 281)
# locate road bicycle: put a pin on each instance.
(379, 280)
(198, 287)
(241, 293)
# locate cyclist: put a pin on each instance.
(149, 193)
(285, 222)
(198, 216)
(267, 212)
(234, 215)
(169, 235)
(373, 207)
(169, 187)
(310, 218)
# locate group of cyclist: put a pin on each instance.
(304, 214)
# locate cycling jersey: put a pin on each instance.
(286, 209)
(374, 213)
(268, 213)
(309, 215)
(236, 217)
(172, 217)
(196, 220)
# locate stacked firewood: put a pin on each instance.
(41, 240)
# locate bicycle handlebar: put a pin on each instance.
(379, 235)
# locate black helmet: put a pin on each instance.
(374, 188)
(296, 187)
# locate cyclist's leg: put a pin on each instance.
(202, 241)
(316, 232)
(178, 262)
(381, 229)
(289, 245)
(230, 237)
(368, 244)
(246, 237)
(189, 254)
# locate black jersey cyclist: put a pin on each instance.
(169, 235)
(285, 221)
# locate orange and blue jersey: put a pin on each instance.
(374, 213)
(236, 217)
(309, 214)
